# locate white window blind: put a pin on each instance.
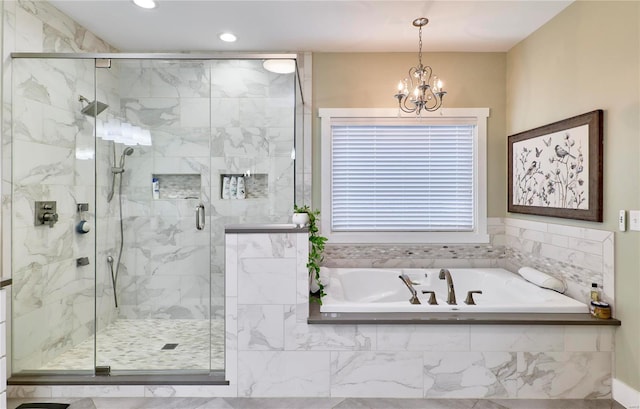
(402, 178)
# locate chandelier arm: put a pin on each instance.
(435, 104)
(404, 107)
(412, 75)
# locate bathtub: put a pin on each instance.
(381, 290)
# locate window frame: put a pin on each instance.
(342, 116)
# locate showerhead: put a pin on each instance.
(126, 152)
(93, 108)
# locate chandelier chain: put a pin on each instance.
(420, 47)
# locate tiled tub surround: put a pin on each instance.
(279, 354)
(271, 350)
(577, 256)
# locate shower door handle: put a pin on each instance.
(200, 216)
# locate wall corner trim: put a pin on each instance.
(625, 394)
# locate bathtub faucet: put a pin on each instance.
(414, 294)
(451, 292)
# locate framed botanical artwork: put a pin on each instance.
(556, 170)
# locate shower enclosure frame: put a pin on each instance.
(214, 377)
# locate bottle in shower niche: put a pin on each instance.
(155, 188)
(233, 187)
(595, 292)
(226, 181)
(594, 297)
(240, 193)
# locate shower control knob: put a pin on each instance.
(83, 227)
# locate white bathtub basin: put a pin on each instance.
(380, 290)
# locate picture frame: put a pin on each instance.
(556, 170)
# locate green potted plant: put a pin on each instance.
(316, 249)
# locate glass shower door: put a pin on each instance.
(152, 193)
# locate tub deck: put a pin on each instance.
(452, 318)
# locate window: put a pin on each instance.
(390, 179)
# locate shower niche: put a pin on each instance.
(256, 186)
(176, 186)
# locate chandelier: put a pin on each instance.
(426, 89)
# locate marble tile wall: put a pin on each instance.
(576, 255)
(47, 154)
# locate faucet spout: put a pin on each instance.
(414, 294)
(451, 292)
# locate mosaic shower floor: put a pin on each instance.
(133, 345)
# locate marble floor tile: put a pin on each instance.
(388, 403)
(137, 345)
(557, 404)
(284, 403)
(321, 403)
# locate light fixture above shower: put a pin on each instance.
(279, 66)
(145, 4)
(228, 37)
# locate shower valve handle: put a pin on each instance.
(49, 218)
(200, 216)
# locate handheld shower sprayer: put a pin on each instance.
(120, 168)
(116, 170)
(126, 152)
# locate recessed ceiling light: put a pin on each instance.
(145, 4)
(227, 37)
(280, 66)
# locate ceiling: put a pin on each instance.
(312, 25)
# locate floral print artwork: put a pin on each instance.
(553, 170)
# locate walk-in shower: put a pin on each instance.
(151, 299)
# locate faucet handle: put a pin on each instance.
(432, 297)
(469, 300)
